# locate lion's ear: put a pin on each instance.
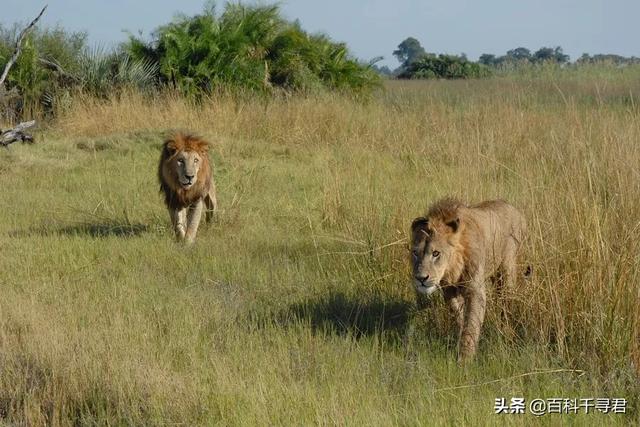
(170, 147)
(454, 225)
(420, 223)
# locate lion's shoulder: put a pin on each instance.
(500, 209)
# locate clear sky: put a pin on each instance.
(373, 28)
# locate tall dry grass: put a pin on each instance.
(317, 194)
(565, 152)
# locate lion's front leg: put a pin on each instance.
(475, 301)
(179, 222)
(211, 202)
(422, 301)
(505, 281)
(455, 301)
(193, 220)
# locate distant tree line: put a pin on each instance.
(522, 55)
(417, 63)
(607, 58)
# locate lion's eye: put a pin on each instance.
(196, 161)
(435, 254)
(180, 162)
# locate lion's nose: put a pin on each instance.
(189, 177)
(422, 279)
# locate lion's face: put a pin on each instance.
(432, 249)
(187, 165)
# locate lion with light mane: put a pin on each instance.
(456, 248)
(187, 183)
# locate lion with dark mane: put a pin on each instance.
(187, 183)
(456, 248)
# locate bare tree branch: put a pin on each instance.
(54, 66)
(18, 49)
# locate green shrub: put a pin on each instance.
(101, 72)
(249, 47)
(55, 63)
(444, 67)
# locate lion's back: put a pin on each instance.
(499, 222)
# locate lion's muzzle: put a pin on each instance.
(187, 182)
(425, 286)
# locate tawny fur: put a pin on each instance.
(456, 248)
(185, 205)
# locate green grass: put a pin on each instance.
(295, 307)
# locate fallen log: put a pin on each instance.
(10, 136)
(63, 75)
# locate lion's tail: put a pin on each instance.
(528, 272)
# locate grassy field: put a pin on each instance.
(295, 306)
